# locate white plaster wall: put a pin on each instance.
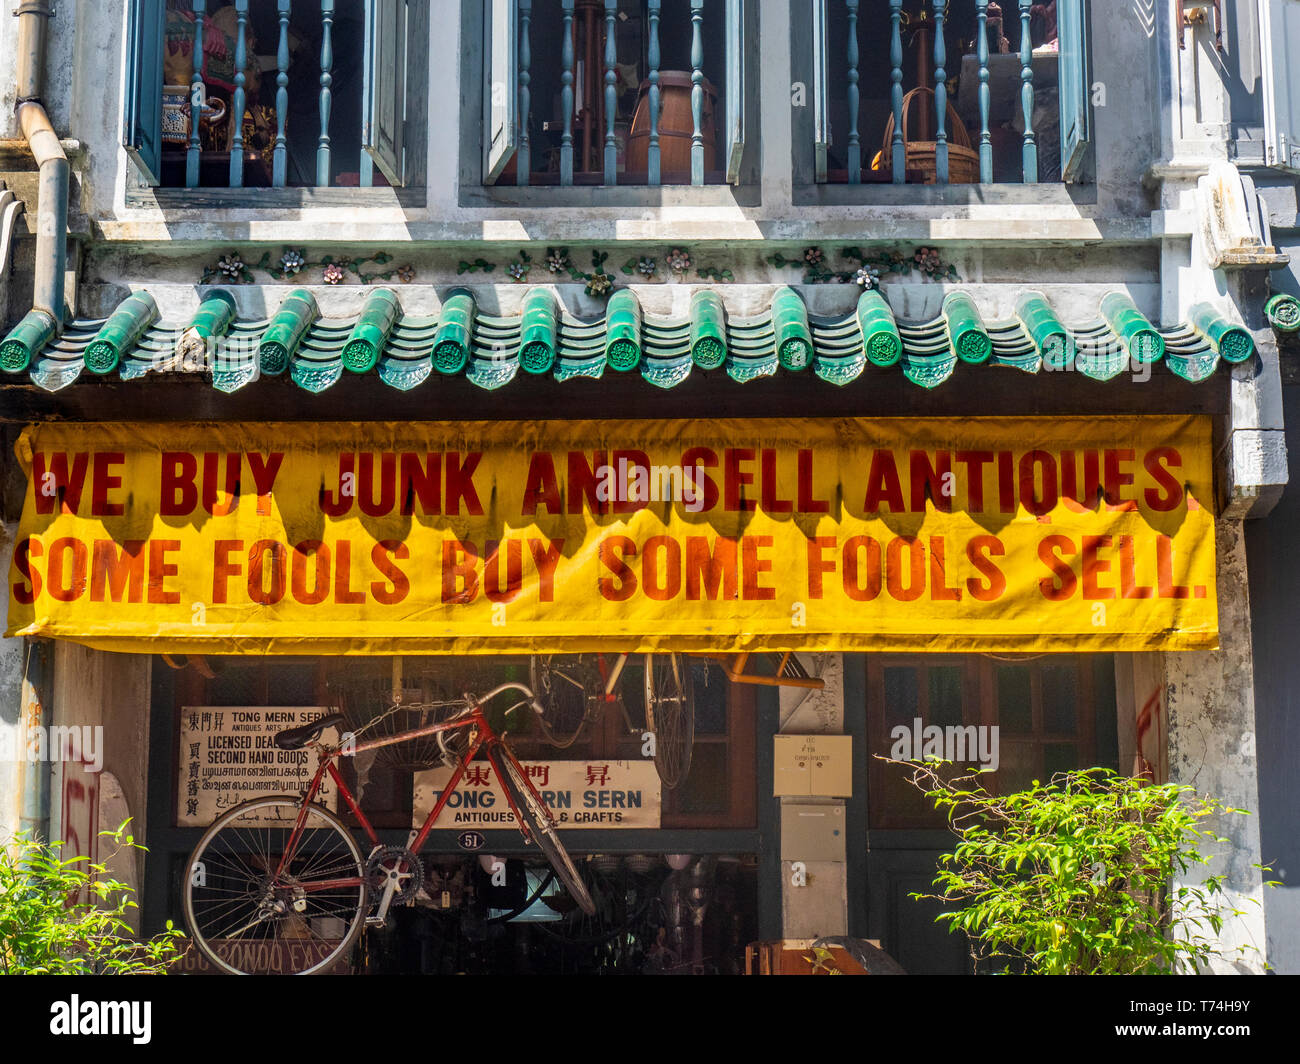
(1211, 703)
(89, 54)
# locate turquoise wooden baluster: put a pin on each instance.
(566, 95)
(240, 97)
(197, 96)
(940, 96)
(523, 153)
(896, 87)
(652, 152)
(982, 53)
(1029, 150)
(855, 144)
(279, 157)
(611, 94)
(326, 87)
(697, 92)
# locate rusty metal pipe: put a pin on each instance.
(52, 202)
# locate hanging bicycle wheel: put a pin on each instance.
(670, 715)
(251, 911)
(540, 823)
(568, 687)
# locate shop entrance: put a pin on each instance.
(673, 872)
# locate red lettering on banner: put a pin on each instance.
(980, 550)
(546, 557)
(264, 471)
(708, 458)
(459, 576)
(103, 481)
(612, 552)
(883, 484)
(118, 574)
(1128, 585)
(1157, 463)
(396, 586)
(771, 503)
(939, 589)
(179, 495)
(343, 592)
(223, 567)
(27, 549)
(862, 555)
(911, 589)
(735, 479)
(160, 569)
(1061, 584)
(66, 479)
(710, 574)
(541, 488)
(818, 567)
(1092, 567)
(66, 580)
(807, 504)
(928, 480)
(753, 566)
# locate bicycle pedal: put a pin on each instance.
(375, 921)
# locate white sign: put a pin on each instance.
(581, 794)
(227, 757)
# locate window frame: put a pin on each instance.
(807, 127)
(472, 192)
(144, 46)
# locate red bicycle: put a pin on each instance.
(278, 884)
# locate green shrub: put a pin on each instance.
(68, 917)
(1081, 875)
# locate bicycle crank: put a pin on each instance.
(395, 875)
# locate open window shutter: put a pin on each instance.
(1072, 32)
(384, 87)
(1279, 32)
(820, 90)
(500, 87)
(142, 121)
(735, 88)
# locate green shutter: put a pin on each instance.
(500, 87)
(142, 120)
(820, 89)
(736, 37)
(384, 86)
(1074, 92)
(1280, 32)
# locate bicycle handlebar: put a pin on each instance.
(529, 697)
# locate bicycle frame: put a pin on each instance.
(482, 737)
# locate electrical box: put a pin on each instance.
(813, 764)
(812, 832)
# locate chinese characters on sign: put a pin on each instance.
(581, 794)
(227, 757)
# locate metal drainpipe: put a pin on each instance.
(52, 204)
(36, 712)
(47, 296)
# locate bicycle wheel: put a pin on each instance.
(568, 686)
(541, 826)
(670, 715)
(246, 919)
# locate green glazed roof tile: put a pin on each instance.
(492, 350)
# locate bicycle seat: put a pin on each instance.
(297, 738)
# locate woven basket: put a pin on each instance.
(963, 161)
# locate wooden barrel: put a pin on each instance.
(676, 126)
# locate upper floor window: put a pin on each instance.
(272, 93)
(948, 91)
(614, 92)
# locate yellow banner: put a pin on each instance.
(725, 535)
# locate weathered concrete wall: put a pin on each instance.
(93, 688)
(1210, 697)
(12, 732)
